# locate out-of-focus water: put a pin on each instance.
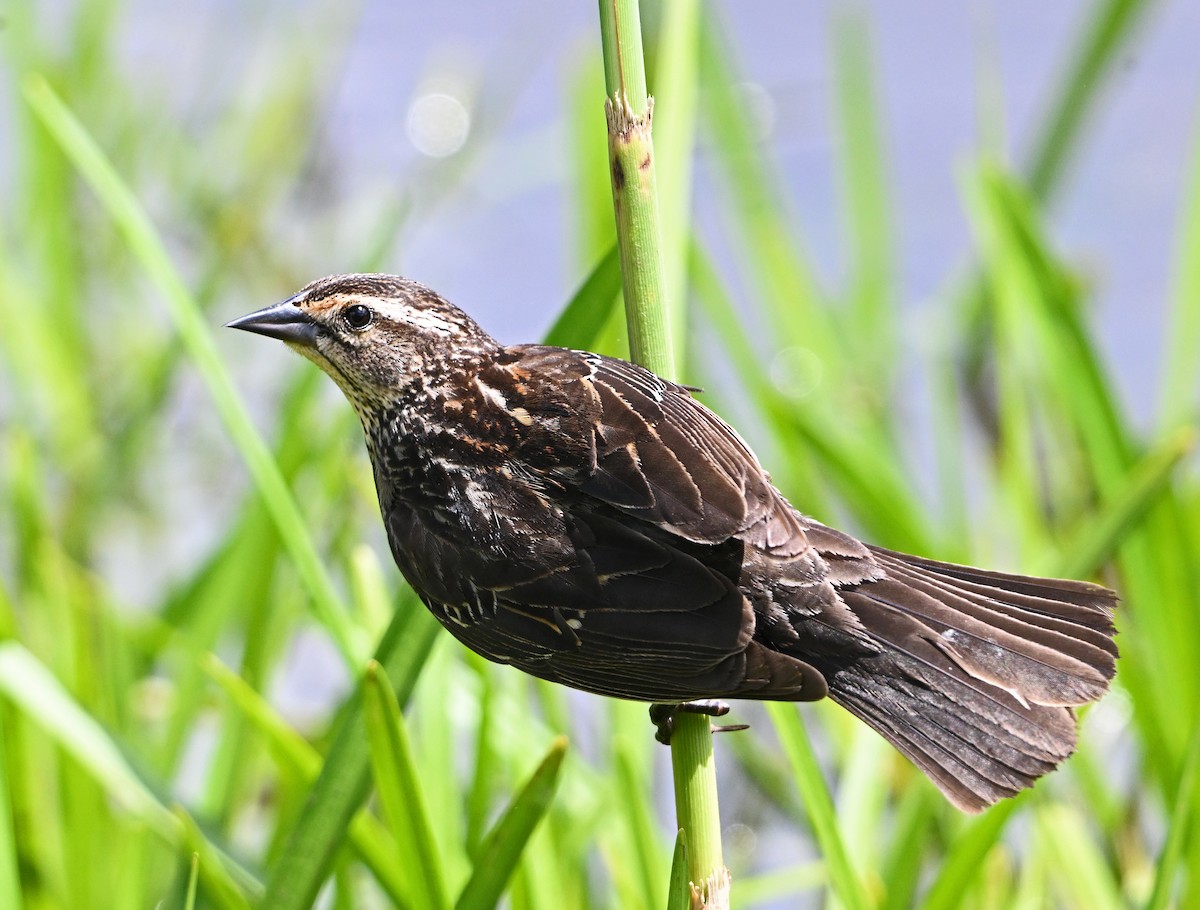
(500, 245)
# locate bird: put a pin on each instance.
(580, 518)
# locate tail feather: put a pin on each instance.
(1078, 604)
(1085, 643)
(958, 750)
(977, 671)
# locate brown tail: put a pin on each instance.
(979, 670)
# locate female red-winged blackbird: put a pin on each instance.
(582, 519)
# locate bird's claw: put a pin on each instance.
(729, 728)
(663, 716)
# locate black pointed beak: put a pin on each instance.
(284, 321)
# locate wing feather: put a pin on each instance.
(679, 447)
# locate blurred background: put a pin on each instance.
(938, 264)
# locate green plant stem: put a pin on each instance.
(639, 239)
(628, 110)
(696, 809)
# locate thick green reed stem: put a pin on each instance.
(635, 201)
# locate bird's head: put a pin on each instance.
(373, 334)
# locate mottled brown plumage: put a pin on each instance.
(592, 524)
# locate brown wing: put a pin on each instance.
(640, 507)
(664, 457)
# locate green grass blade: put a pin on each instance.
(679, 892)
(438, 746)
(194, 330)
(289, 747)
(964, 860)
(1108, 29)
(868, 477)
(344, 782)
(844, 879)
(914, 833)
(676, 96)
(1181, 368)
(1185, 817)
(770, 245)
(1085, 876)
(10, 876)
(778, 888)
(29, 685)
(646, 848)
(189, 902)
(585, 316)
(501, 848)
(864, 186)
(863, 790)
(1055, 324)
(368, 838)
(1101, 534)
(219, 885)
(398, 781)
(1013, 282)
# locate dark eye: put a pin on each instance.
(357, 316)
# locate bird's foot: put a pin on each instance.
(663, 716)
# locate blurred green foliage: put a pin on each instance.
(144, 757)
